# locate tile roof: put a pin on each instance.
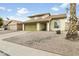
(5, 22)
(37, 15)
(47, 18)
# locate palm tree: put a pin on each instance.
(72, 33)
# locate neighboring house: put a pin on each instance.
(45, 22)
(5, 24)
(13, 25)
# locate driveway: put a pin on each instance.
(20, 50)
(5, 32)
(47, 41)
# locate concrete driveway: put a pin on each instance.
(47, 41)
(20, 50)
(5, 32)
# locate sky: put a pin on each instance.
(20, 11)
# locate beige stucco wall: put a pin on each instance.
(38, 26)
(19, 26)
(62, 25)
(12, 26)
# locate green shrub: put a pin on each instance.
(1, 22)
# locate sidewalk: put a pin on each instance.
(19, 50)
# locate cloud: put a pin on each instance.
(55, 9)
(2, 8)
(22, 11)
(18, 8)
(62, 6)
(16, 18)
(9, 10)
(13, 18)
(5, 9)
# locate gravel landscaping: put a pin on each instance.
(47, 41)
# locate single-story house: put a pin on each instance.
(45, 22)
(13, 25)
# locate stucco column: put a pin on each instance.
(38, 26)
(23, 27)
(47, 26)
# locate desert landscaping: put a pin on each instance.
(47, 41)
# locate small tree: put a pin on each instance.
(1, 22)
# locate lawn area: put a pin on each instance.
(47, 41)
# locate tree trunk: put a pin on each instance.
(72, 33)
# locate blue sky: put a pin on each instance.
(20, 11)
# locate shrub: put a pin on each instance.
(1, 22)
(58, 32)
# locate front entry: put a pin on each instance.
(43, 27)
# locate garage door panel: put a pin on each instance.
(30, 27)
(12, 27)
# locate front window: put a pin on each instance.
(56, 24)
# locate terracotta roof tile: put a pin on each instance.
(37, 15)
(47, 18)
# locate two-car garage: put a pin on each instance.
(30, 27)
(37, 26)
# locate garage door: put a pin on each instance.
(12, 27)
(30, 27)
